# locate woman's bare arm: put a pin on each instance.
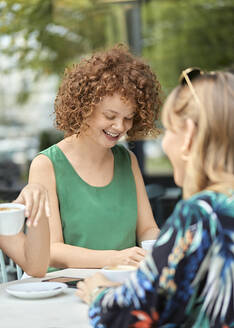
(146, 226)
(31, 250)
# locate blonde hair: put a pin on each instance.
(211, 162)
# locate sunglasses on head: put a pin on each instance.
(187, 76)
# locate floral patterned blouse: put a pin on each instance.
(187, 280)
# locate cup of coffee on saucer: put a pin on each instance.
(118, 273)
(11, 218)
(148, 244)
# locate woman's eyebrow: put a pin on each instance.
(115, 112)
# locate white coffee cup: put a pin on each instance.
(11, 218)
(118, 273)
(148, 244)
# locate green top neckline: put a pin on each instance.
(81, 179)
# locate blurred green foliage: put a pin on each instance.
(48, 35)
(180, 34)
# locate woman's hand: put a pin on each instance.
(88, 289)
(129, 256)
(35, 199)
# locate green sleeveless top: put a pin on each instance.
(101, 218)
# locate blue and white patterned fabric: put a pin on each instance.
(187, 280)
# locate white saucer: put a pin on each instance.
(36, 289)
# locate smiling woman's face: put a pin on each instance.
(111, 119)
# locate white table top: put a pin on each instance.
(65, 310)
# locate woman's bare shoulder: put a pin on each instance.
(41, 163)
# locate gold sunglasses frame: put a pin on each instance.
(185, 76)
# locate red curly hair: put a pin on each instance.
(105, 73)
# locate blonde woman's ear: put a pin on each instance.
(188, 140)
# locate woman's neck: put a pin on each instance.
(86, 149)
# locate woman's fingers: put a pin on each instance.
(43, 208)
(39, 212)
(130, 256)
(35, 199)
(134, 256)
(83, 291)
(21, 200)
(47, 206)
(86, 288)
